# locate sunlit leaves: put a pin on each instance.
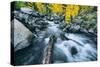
(71, 11)
(56, 8)
(40, 7)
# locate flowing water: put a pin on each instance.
(78, 47)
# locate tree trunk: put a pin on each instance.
(48, 52)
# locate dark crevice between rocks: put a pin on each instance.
(73, 51)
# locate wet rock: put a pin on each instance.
(91, 30)
(49, 18)
(56, 22)
(73, 51)
(74, 27)
(62, 25)
(26, 10)
(77, 27)
(55, 17)
(35, 14)
(41, 22)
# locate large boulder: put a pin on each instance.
(22, 36)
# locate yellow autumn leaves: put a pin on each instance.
(68, 10)
(71, 11)
(56, 8)
(40, 7)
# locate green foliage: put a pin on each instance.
(19, 4)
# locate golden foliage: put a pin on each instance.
(71, 11)
(40, 7)
(56, 8)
